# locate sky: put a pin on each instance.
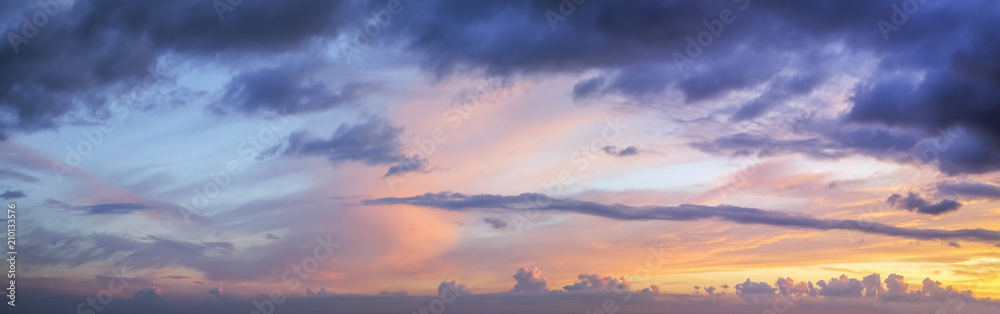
(573, 156)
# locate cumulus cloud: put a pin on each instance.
(655, 289)
(873, 285)
(841, 287)
(594, 282)
(453, 287)
(788, 286)
(529, 280)
(915, 203)
(896, 286)
(684, 212)
(755, 292)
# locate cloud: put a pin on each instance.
(755, 292)
(628, 151)
(684, 212)
(779, 90)
(914, 202)
(873, 285)
(841, 287)
(588, 87)
(388, 293)
(17, 175)
(974, 190)
(147, 296)
(113, 208)
(895, 285)
(710, 290)
(373, 142)
(931, 290)
(823, 144)
(288, 89)
(72, 70)
(529, 280)
(788, 286)
(453, 287)
(215, 291)
(495, 223)
(655, 289)
(594, 282)
(922, 82)
(12, 194)
(405, 165)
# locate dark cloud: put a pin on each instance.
(829, 144)
(924, 81)
(75, 66)
(915, 203)
(973, 190)
(684, 212)
(288, 89)
(113, 209)
(495, 223)
(587, 88)
(529, 280)
(373, 142)
(11, 194)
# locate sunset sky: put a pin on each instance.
(734, 156)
